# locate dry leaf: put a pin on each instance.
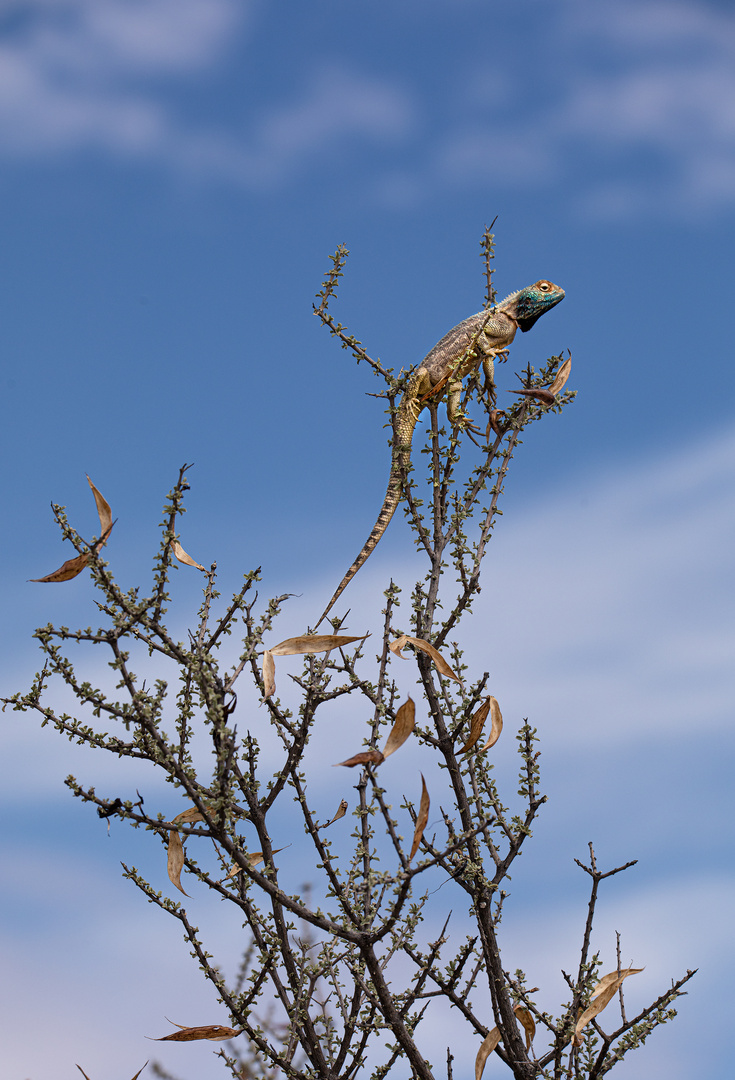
(175, 859)
(70, 569)
(421, 820)
(183, 557)
(613, 977)
(529, 1024)
(476, 725)
(418, 643)
(73, 567)
(489, 1043)
(561, 377)
(254, 857)
(541, 393)
(341, 811)
(213, 1032)
(368, 757)
(603, 993)
(187, 817)
(497, 723)
(105, 515)
(492, 1039)
(269, 674)
(308, 643)
(313, 643)
(494, 418)
(402, 728)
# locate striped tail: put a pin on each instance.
(399, 462)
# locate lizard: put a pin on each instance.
(477, 340)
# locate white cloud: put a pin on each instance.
(638, 109)
(98, 73)
(638, 113)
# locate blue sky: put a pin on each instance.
(173, 177)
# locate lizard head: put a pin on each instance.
(533, 301)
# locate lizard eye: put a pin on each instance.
(544, 286)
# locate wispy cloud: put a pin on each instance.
(78, 74)
(638, 113)
(630, 106)
(73, 72)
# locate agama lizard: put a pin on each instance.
(477, 340)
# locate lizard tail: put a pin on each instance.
(399, 463)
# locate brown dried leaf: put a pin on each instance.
(269, 674)
(139, 1072)
(70, 569)
(213, 1032)
(497, 723)
(183, 557)
(313, 643)
(489, 1043)
(492, 1039)
(105, 514)
(421, 820)
(367, 757)
(73, 567)
(254, 857)
(188, 817)
(402, 728)
(541, 393)
(175, 859)
(341, 811)
(561, 377)
(529, 1024)
(494, 418)
(612, 977)
(476, 725)
(604, 992)
(418, 643)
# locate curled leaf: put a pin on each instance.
(489, 1043)
(476, 725)
(269, 674)
(494, 418)
(73, 567)
(418, 643)
(254, 858)
(367, 757)
(213, 1032)
(492, 1039)
(402, 728)
(603, 994)
(70, 569)
(422, 818)
(175, 860)
(188, 817)
(313, 643)
(540, 393)
(105, 515)
(341, 811)
(613, 976)
(528, 1022)
(561, 377)
(497, 723)
(183, 557)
